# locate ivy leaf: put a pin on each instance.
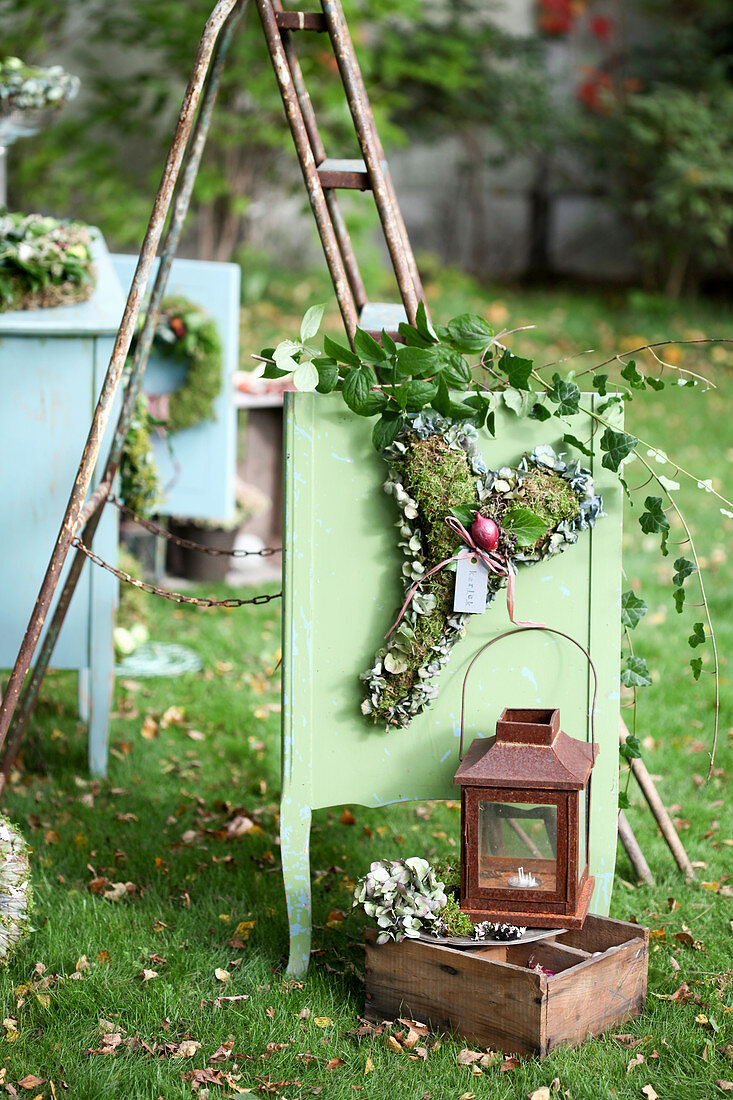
(635, 674)
(623, 800)
(655, 383)
(386, 430)
(632, 376)
(539, 412)
(516, 369)
(565, 395)
(305, 376)
(367, 347)
(679, 599)
(525, 524)
(520, 402)
(358, 383)
(573, 441)
(340, 353)
(469, 332)
(600, 384)
(684, 569)
(630, 749)
(654, 519)
(421, 323)
(412, 360)
(696, 666)
(633, 609)
(697, 637)
(464, 515)
(328, 374)
(618, 446)
(311, 322)
(454, 369)
(419, 394)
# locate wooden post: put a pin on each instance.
(633, 851)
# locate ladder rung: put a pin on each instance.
(301, 21)
(376, 316)
(347, 174)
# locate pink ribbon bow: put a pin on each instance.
(495, 562)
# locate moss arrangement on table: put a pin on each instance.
(43, 262)
(435, 469)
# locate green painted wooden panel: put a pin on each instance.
(342, 587)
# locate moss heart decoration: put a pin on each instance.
(435, 469)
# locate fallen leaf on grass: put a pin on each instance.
(149, 730)
(724, 1086)
(244, 929)
(323, 1021)
(467, 1096)
(509, 1064)
(119, 890)
(221, 1053)
(637, 1060)
(347, 818)
(650, 1093)
(222, 975)
(368, 1065)
(196, 735)
(186, 1049)
(172, 717)
(335, 1063)
(30, 1081)
(147, 975)
(394, 1045)
(468, 1057)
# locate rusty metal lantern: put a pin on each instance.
(525, 821)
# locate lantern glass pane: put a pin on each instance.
(517, 846)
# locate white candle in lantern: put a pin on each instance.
(524, 880)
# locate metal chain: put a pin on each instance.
(177, 597)
(188, 544)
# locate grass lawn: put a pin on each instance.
(159, 905)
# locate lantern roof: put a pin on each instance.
(529, 751)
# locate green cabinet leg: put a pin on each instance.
(295, 828)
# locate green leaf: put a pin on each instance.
(469, 332)
(655, 383)
(635, 674)
(697, 637)
(375, 403)
(516, 369)
(357, 385)
(623, 800)
(633, 609)
(386, 430)
(328, 375)
(283, 355)
(630, 749)
(654, 519)
(573, 441)
(441, 402)
(340, 353)
(305, 376)
(520, 402)
(679, 599)
(421, 323)
(311, 322)
(414, 361)
(367, 347)
(539, 412)
(696, 666)
(464, 515)
(618, 446)
(684, 569)
(411, 336)
(600, 384)
(565, 395)
(419, 393)
(271, 371)
(525, 524)
(454, 369)
(632, 376)
(388, 344)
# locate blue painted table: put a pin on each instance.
(198, 478)
(52, 364)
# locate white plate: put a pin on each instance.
(466, 942)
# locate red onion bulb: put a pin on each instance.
(485, 533)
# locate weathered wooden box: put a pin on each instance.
(493, 997)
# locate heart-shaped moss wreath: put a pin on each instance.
(435, 469)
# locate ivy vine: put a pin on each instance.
(464, 370)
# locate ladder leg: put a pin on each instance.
(313, 185)
(399, 250)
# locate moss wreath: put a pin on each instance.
(44, 262)
(187, 334)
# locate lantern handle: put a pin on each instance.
(521, 630)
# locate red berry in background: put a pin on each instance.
(602, 27)
(179, 329)
(485, 533)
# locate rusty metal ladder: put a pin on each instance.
(323, 178)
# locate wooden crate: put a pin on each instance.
(492, 998)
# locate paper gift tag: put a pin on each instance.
(472, 581)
